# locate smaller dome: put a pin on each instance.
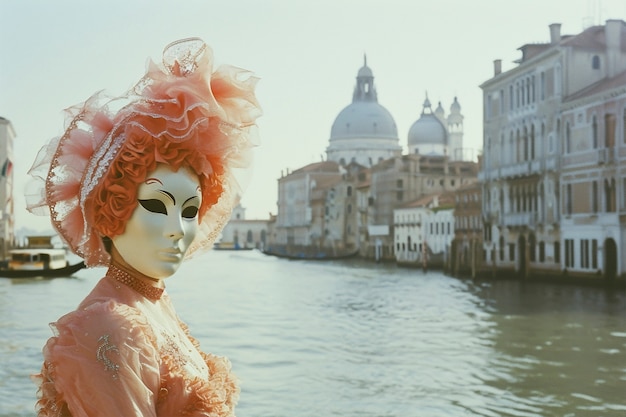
(455, 107)
(439, 111)
(428, 129)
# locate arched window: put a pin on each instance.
(525, 143)
(532, 141)
(594, 131)
(557, 80)
(595, 62)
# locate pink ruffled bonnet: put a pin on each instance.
(181, 100)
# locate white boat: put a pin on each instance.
(39, 259)
(36, 259)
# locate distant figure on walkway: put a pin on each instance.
(138, 183)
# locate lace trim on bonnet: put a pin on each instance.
(69, 167)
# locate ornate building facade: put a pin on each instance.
(547, 124)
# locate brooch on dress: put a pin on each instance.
(102, 355)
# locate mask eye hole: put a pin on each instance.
(154, 206)
(190, 212)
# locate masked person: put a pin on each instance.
(138, 183)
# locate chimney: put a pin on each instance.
(612, 32)
(555, 33)
(497, 67)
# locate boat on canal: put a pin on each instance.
(39, 259)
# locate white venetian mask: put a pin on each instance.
(164, 224)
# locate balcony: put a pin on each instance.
(520, 219)
(515, 170)
(592, 157)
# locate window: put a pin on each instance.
(511, 251)
(557, 252)
(569, 253)
(542, 251)
(594, 131)
(594, 254)
(532, 142)
(584, 253)
(568, 199)
(624, 125)
(609, 130)
(594, 196)
(501, 247)
(349, 191)
(609, 195)
(595, 62)
(568, 136)
(543, 86)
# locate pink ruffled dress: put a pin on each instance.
(124, 352)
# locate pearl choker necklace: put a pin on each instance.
(143, 288)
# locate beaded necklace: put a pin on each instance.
(143, 288)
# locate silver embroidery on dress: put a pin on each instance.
(102, 355)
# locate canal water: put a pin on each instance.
(353, 338)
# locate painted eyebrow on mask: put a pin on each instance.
(169, 195)
(191, 198)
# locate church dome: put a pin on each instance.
(364, 119)
(364, 132)
(428, 129)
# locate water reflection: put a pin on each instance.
(558, 349)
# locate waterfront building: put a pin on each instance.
(467, 254)
(364, 131)
(398, 181)
(242, 233)
(545, 107)
(301, 222)
(593, 166)
(7, 213)
(424, 230)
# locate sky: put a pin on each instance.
(56, 54)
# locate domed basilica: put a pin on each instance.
(366, 133)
